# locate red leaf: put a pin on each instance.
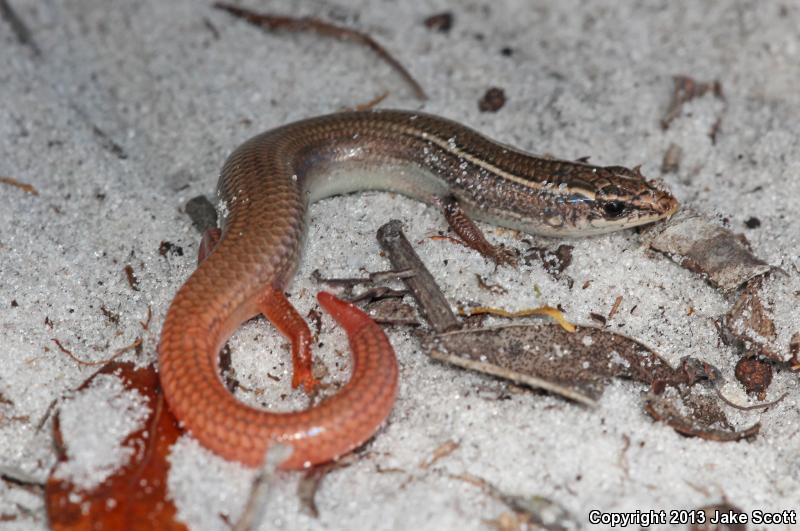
(134, 497)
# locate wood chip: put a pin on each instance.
(432, 302)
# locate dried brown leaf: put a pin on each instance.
(698, 424)
(583, 361)
(700, 246)
(751, 322)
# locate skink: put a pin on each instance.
(265, 188)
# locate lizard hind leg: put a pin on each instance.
(279, 311)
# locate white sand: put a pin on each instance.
(584, 79)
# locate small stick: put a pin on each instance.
(371, 104)
(377, 276)
(379, 293)
(298, 24)
(146, 323)
(753, 407)
(136, 344)
(615, 307)
(424, 289)
(19, 28)
(25, 187)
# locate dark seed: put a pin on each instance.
(441, 22)
(752, 223)
(493, 100)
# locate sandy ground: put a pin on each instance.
(129, 109)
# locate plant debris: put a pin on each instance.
(753, 407)
(430, 299)
(169, 248)
(130, 275)
(392, 312)
(300, 24)
(493, 100)
(441, 22)
(309, 484)
(227, 371)
(755, 374)
(112, 317)
(371, 104)
(538, 511)
(105, 140)
(146, 323)
(496, 289)
(256, 505)
(760, 320)
(136, 345)
(722, 257)
(594, 316)
(135, 496)
(752, 222)
(576, 365)
(672, 159)
(378, 276)
(615, 307)
(18, 27)
(554, 262)
(702, 422)
(685, 89)
(25, 187)
(444, 449)
(546, 311)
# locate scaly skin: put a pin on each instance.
(265, 188)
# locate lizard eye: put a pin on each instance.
(614, 209)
